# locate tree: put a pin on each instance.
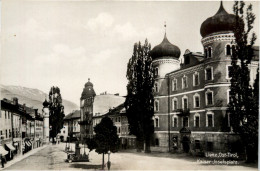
(105, 139)
(243, 106)
(56, 111)
(139, 102)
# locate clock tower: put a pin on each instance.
(86, 111)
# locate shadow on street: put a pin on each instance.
(86, 166)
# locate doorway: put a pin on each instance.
(186, 144)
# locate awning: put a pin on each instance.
(10, 146)
(3, 151)
(27, 143)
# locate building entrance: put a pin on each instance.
(186, 144)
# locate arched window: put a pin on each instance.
(209, 119)
(156, 87)
(206, 52)
(174, 84)
(156, 105)
(228, 49)
(174, 104)
(174, 121)
(209, 97)
(156, 72)
(197, 120)
(185, 102)
(196, 100)
(209, 52)
(156, 122)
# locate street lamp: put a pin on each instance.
(108, 162)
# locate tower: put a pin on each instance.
(86, 110)
(165, 59)
(46, 115)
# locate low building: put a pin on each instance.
(18, 130)
(71, 126)
(119, 118)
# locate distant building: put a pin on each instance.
(21, 128)
(119, 118)
(86, 111)
(191, 98)
(71, 127)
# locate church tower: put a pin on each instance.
(165, 60)
(46, 123)
(86, 110)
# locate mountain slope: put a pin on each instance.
(32, 97)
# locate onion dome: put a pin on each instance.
(221, 21)
(45, 103)
(88, 91)
(165, 49)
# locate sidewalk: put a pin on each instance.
(19, 157)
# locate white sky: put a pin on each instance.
(63, 43)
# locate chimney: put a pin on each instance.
(15, 100)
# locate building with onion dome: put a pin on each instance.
(191, 98)
(86, 110)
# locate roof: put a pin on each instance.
(73, 115)
(120, 109)
(102, 103)
(165, 49)
(221, 21)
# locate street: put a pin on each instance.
(53, 158)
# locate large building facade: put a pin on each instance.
(191, 98)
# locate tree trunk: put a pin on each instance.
(103, 161)
(139, 145)
(147, 148)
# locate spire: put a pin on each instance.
(221, 10)
(88, 79)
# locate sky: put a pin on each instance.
(63, 43)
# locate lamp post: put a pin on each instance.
(108, 162)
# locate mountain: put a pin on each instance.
(32, 97)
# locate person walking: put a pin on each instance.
(2, 161)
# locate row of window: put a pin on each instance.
(6, 133)
(185, 105)
(228, 50)
(185, 121)
(6, 115)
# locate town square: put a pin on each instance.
(129, 85)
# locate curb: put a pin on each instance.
(19, 158)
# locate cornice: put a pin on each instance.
(218, 37)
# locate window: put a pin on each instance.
(196, 99)
(6, 136)
(209, 97)
(186, 60)
(185, 121)
(209, 52)
(228, 50)
(156, 105)
(184, 82)
(185, 102)
(195, 79)
(229, 70)
(156, 87)
(8, 115)
(228, 96)
(157, 142)
(209, 146)
(174, 121)
(118, 119)
(5, 115)
(10, 133)
(156, 72)
(174, 84)
(209, 73)
(156, 122)
(197, 120)
(119, 130)
(210, 119)
(206, 52)
(174, 104)
(63, 132)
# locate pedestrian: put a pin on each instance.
(2, 161)
(108, 165)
